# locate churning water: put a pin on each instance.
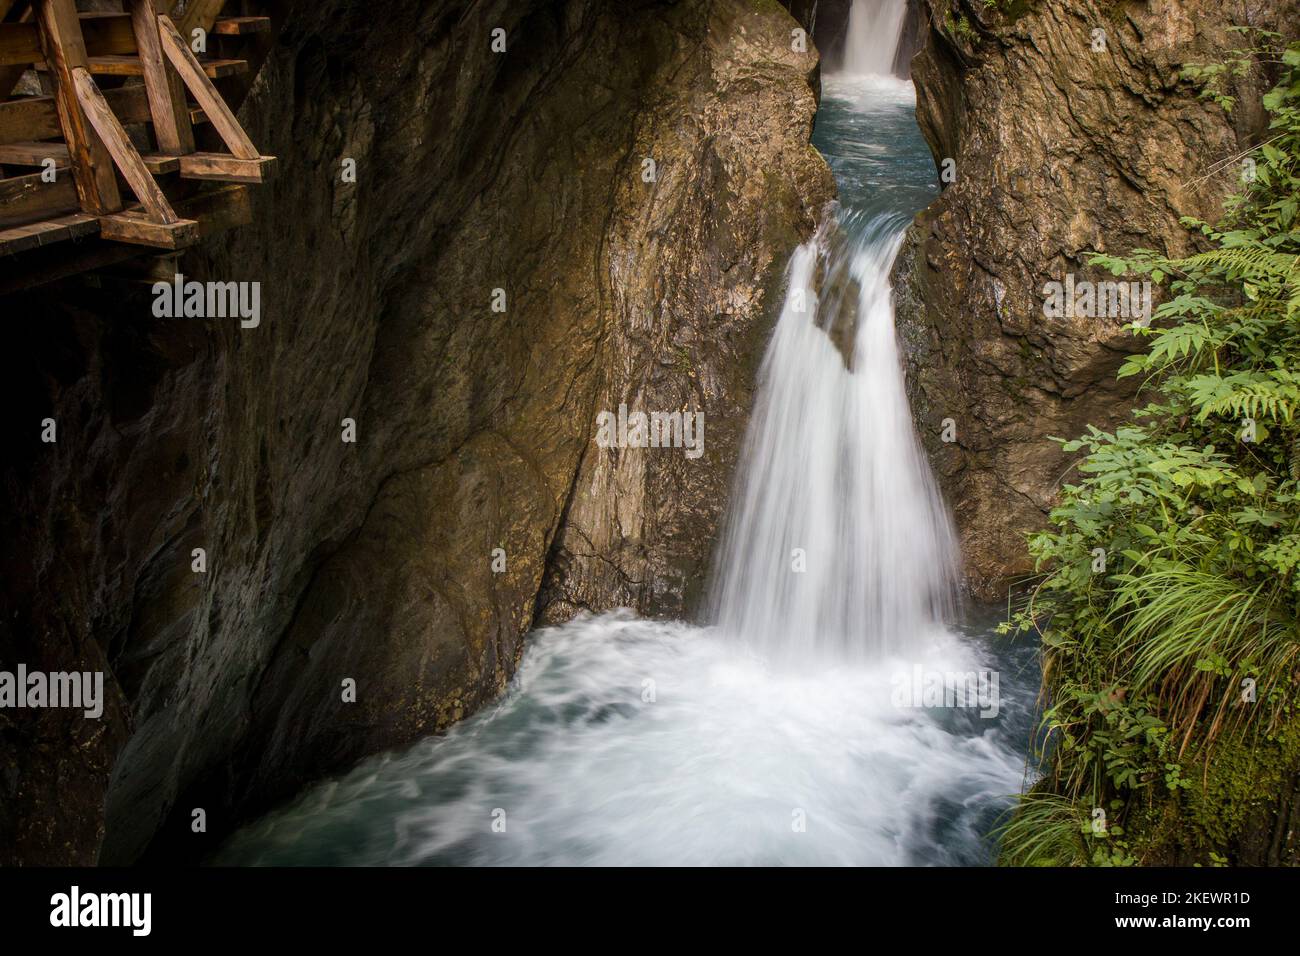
(776, 735)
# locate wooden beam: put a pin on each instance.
(241, 26)
(108, 34)
(25, 199)
(35, 154)
(228, 169)
(220, 209)
(31, 236)
(170, 112)
(10, 75)
(37, 117)
(191, 71)
(139, 227)
(104, 34)
(130, 65)
(215, 210)
(92, 167)
(114, 137)
(20, 44)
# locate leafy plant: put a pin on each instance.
(1168, 599)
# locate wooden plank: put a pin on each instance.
(130, 65)
(30, 118)
(92, 167)
(230, 169)
(223, 121)
(129, 163)
(139, 227)
(241, 26)
(20, 44)
(10, 75)
(33, 154)
(36, 117)
(171, 115)
(104, 34)
(215, 209)
(29, 198)
(161, 163)
(107, 33)
(44, 233)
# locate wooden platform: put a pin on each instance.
(72, 165)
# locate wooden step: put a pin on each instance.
(134, 226)
(30, 198)
(104, 34)
(21, 238)
(35, 154)
(214, 210)
(121, 65)
(241, 26)
(30, 118)
(225, 168)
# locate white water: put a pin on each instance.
(839, 547)
(775, 736)
(874, 31)
(716, 769)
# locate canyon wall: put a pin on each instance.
(1065, 140)
(375, 560)
(1063, 145)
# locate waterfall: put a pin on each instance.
(839, 544)
(874, 33)
(626, 741)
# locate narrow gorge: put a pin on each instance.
(637, 455)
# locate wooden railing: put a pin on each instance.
(108, 144)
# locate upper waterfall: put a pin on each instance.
(874, 33)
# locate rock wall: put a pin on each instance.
(373, 560)
(1060, 149)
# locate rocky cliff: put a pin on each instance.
(1070, 131)
(507, 264)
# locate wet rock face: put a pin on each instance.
(1060, 149)
(375, 561)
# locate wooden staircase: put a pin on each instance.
(104, 139)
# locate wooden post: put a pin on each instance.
(65, 51)
(119, 145)
(214, 105)
(171, 114)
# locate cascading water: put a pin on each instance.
(778, 735)
(875, 29)
(839, 547)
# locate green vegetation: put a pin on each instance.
(1169, 601)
